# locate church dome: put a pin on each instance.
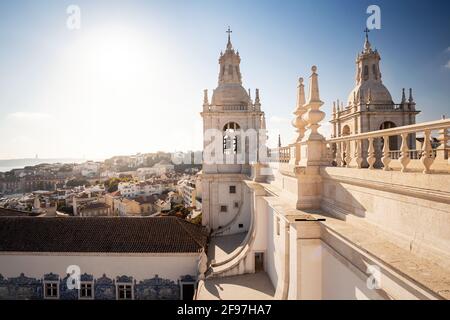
(369, 86)
(379, 94)
(230, 94)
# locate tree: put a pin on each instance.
(77, 183)
(112, 184)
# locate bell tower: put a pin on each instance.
(370, 105)
(231, 125)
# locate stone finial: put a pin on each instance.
(279, 141)
(411, 99)
(205, 97)
(300, 93)
(313, 115)
(257, 101)
(298, 121)
(403, 96)
(314, 95)
(334, 107)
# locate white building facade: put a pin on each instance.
(229, 117)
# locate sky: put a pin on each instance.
(131, 79)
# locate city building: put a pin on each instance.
(119, 259)
(187, 189)
(94, 209)
(141, 206)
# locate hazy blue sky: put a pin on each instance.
(131, 79)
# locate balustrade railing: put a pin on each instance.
(373, 149)
(282, 154)
(369, 150)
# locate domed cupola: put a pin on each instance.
(369, 87)
(230, 91)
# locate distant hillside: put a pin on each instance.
(10, 164)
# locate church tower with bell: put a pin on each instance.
(231, 123)
(369, 105)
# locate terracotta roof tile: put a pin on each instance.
(96, 234)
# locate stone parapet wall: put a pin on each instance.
(411, 208)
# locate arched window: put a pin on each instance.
(230, 70)
(366, 72)
(230, 138)
(374, 71)
(346, 130)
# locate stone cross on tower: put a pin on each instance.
(229, 37)
(229, 33)
(366, 30)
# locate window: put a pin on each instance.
(236, 204)
(366, 72)
(232, 189)
(124, 292)
(241, 225)
(51, 290)
(86, 291)
(223, 208)
(230, 139)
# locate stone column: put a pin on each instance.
(312, 150)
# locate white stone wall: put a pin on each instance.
(216, 194)
(276, 257)
(341, 282)
(412, 208)
(139, 267)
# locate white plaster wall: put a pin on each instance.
(139, 267)
(219, 194)
(310, 274)
(276, 254)
(262, 228)
(417, 224)
(271, 255)
(339, 282)
(294, 262)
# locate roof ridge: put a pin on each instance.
(185, 229)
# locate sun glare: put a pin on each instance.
(113, 74)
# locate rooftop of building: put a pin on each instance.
(101, 235)
(96, 205)
(14, 213)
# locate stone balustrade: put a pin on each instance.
(281, 155)
(368, 150)
(364, 150)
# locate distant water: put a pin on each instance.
(8, 165)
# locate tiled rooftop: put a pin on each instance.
(95, 234)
